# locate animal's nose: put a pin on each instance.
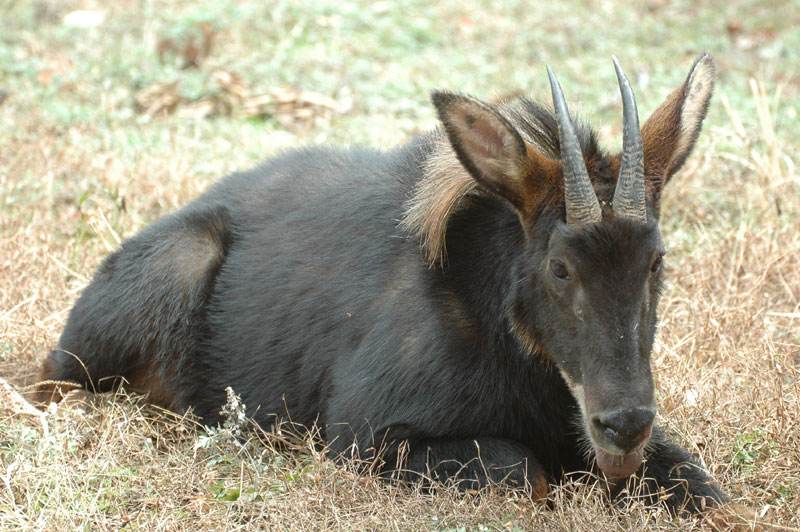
(626, 428)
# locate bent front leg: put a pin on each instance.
(673, 475)
(469, 464)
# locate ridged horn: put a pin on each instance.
(581, 201)
(629, 194)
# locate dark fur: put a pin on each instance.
(292, 284)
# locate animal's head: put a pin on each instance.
(587, 284)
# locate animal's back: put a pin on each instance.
(315, 255)
(268, 282)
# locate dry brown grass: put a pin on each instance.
(727, 359)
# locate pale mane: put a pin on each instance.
(445, 183)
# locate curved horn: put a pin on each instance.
(629, 194)
(581, 201)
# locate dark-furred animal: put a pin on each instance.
(477, 305)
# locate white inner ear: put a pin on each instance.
(482, 134)
(699, 88)
(486, 139)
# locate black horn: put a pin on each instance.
(629, 195)
(581, 201)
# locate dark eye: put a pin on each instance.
(657, 263)
(559, 269)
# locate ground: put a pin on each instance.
(113, 113)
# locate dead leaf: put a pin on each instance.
(733, 27)
(191, 48)
(160, 98)
(230, 83)
(205, 107)
(292, 107)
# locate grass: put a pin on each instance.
(82, 165)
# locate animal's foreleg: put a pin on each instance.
(673, 475)
(469, 463)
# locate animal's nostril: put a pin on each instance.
(601, 422)
(625, 428)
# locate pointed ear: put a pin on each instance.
(672, 130)
(493, 152)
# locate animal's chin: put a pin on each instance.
(618, 467)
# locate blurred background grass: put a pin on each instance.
(385, 56)
(78, 64)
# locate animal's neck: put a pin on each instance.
(483, 242)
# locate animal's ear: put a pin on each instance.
(492, 150)
(672, 130)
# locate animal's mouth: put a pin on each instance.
(622, 464)
(618, 450)
(619, 466)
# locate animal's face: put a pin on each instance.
(600, 286)
(590, 274)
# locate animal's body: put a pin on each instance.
(447, 297)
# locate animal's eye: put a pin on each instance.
(657, 263)
(559, 269)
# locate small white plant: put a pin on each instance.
(233, 413)
(234, 419)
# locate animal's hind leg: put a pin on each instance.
(143, 313)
